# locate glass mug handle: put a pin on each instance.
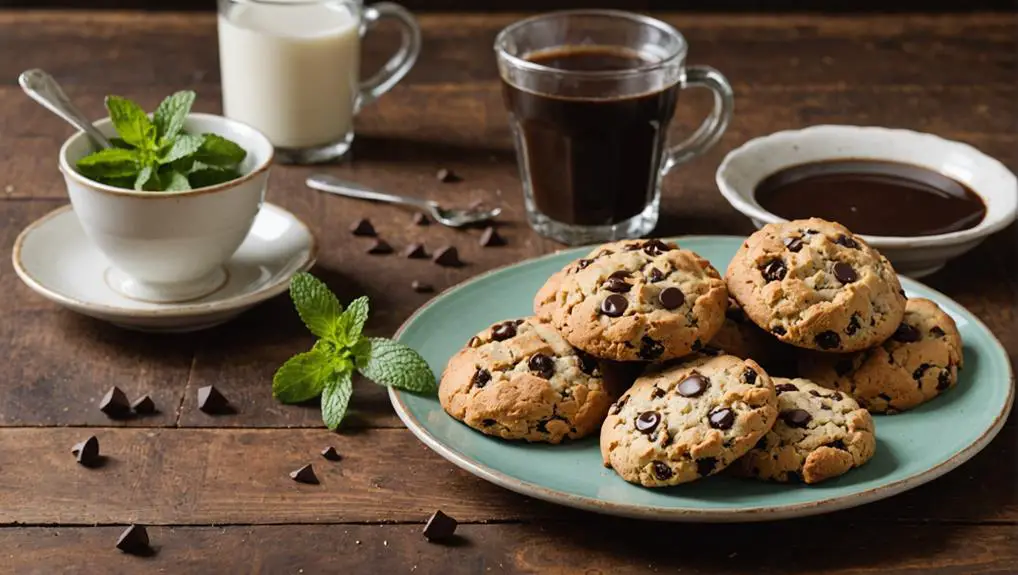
(713, 126)
(401, 62)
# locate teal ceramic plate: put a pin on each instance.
(912, 447)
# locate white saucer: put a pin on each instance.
(55, 258)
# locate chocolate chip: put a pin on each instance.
(774, 270)
(671, 298)
(447, 257)
(706, 465)
(503, 331)
(836, 396)
(621, 274)
(846, 241)
(211, 401)
(447, 176)
(582, 264)
(490, 238)
(87, 452)
(650, 349)
(331, 454)
(810, 232)
(842, 367)
(655, 247)
(134, 541)
(657, 393)
(814, 393)
(421, 287)
(415, 251)
(661, 471)
(362, 227)
(796, 417)
(853, 325)
(481, 378)
(722, 418)
(749, 376)
(440, 527)
(632, 247)
(115, 404)
(944, 380)
(838, 444)
(935, 331)
(919, 371)
(647, 421)
(616, 285)
(379, 247)
(778, 330)
(827, 340)
(906, 333)
(588, 364)
(783, 387)
(305, 474)
(143, 406)
(884, 397)
(488, 422)
(655, 275)
(693, 385)
(614, 305)
(793, 244)
(844, 273)
(542, 365)
(475, 342)
(421, 219)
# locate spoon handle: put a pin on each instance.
(334, 185)
(42, 88)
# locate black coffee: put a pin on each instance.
(593, 158)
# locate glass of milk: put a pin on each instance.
(291, 68)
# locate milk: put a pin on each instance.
(291, 70)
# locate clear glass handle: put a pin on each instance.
(404, 58)
(713, 126)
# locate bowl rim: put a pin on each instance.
(253, 134)
(1000, 211)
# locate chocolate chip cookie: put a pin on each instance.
(640, 300)
(815, 285)
(687, 420)
(819, 434)
(917, 363)
(520, 379)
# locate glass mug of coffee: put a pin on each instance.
(590, 95)
(291, 68)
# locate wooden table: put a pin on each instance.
(215, 491)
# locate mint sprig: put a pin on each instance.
(327, 369)
(156, 154)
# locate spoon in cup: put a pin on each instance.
(43, 88)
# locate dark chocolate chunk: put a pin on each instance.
(657, 393)
(143, 406)
(810, 232)
(362, 227)
(421, 219)
(842, 367)
(447, 257)
(778, 330)
(693, 385)
(475, 342)
(582, 264)
(621, 274)
(421, 287)
(774, 270)
(793, 244)
(836, 396)
(722, 418)
(846, 241)
(542, 365)
(935, 331)
(503, 331)
(796, 417)
(853, 325)
(749, 376)
(481, 377)
(305, 474)
(919, 371)
(906, 333)
(490, 238)
(655, 247)
(827, 340)
(331, 454)
(488, 422)
(661, 471)
(379, 247)
(647, 421)
(655, 275)
(447, 176)
(783, 387)
(706, 465)
(838, 444)
(614, 305)
(115, 404)
(671, 298)
(616, 285)
(650, 349)
(134, 541)
(944, 380)
(87, 452)
(440, 527)
(844, 273)
(415, 251)
(588, 364)
(814, 393)
(211, 401)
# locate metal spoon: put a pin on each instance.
(42, 88)
(448, 217)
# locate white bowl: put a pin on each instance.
(170, 246)
(746, 166)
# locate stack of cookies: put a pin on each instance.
(678, 367)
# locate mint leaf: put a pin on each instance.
(144, 177)
(351, 323)
(218, 151)
(170, 115)
(316, 305)
(131, 122)
(336, 398)
(203, 177)
(302, 377)
(109, 163)
(175, 181)
(393, 364)
(181, 147)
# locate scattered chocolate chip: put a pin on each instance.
(503, 331)
(783, 387)
(935, 331)
(621, 274)
(906, 333)
(846, 241)
(842, 367)
(944, 380)
(749, 376)
(305, 474)
(614, 305)
(582, 264)
(474, 341)
(655, 275)
(657, 393)
(588, 364)
(379, 247)
(650, 349)
(143, 406)
(655, 247)
(884, 397)
(796, 417)
(421, 219)
(447, 257)
(706, 466)
(836, 396)
(838, 444)
(919, 371)
(542, 365)
(490, 238)
(671, 298)
(134, 541)
(844, 273)
(647, 421)
(774, 270)
(447, 176)
(115, 404)
(616, 285)
(211, 401)
(362, 227)
(814, 393)
(827, 340)
(481, 377)
(693, 385)
(661, 471)
(722, 418)
(87, 452)
(440, 527)
(331, 454)
(421, 287)
(853, 325)
(793, 244)
(415, 251)
(488, 422)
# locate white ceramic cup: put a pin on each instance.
(170, 246)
